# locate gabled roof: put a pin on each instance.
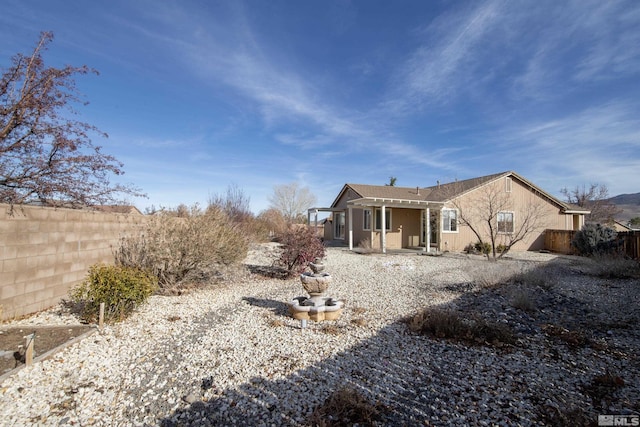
(442, 193)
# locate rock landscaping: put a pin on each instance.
(417, 344)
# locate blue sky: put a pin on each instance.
(200, 95)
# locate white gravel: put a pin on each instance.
(230, 355)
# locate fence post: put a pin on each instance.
(28, 355)
(101, 317)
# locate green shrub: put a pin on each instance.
(594, 238)
(122, 289)
(186, 249)
(300, 246)
(483, 248)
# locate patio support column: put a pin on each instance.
(427, 241)
(383, 227)
(316, 220)
(350, 213)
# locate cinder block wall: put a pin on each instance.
(46, 251)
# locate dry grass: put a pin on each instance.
(173, 318)
(601, 389)
(523, 299)
(359, 310)
(331, 329)
(540, 277)
(614, 267)
(345, 407)
(448, 324)
(359, 321)
(573, 338)
(492, 274)
(276, 323)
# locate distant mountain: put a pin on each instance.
(626, 199)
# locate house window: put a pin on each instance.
(366, 219)
(338, 226)
(450, 220)
(505, 222)
(507, 184)
(387, 220)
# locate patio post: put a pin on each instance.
(350, 228)
(427, 241)
(383, 226)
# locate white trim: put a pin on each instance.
(513, 222)
(457, 230)
(364, 222)
(383, 219)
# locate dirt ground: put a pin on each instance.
(13, 342)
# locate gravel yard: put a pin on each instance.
(231, 355)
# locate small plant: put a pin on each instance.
(276, 323)
(483, 248)
(501, 248)
(365, 247)
(300, 246)
(122, 289)
(345, 407)
(359, 310)
(331, 329)
(359, 321)
(602, 388)
(573, 338)
(173, 318)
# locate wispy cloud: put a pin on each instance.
(599, 144)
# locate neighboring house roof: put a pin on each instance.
(619, 226)
(441, 193)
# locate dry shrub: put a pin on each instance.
(345, 407)
(540, 277)
(602, 388)
(185, 248)
(276, 323)
(523, 299)
(331, 329)
(614, 267)
(438, 323)
(448, 324)
(359, 310)
(365, 247)
(572, 338)
(561, 416)
(300, 246)
(492, 274)
(359, 321)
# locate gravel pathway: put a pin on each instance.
(231, 355)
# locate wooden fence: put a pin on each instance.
(631, 243)
(559, 241)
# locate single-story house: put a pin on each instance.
(444, 217)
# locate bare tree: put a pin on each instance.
(45, 156)
(234, 203)
(596, 199)
(292, 201)
(489, 214)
